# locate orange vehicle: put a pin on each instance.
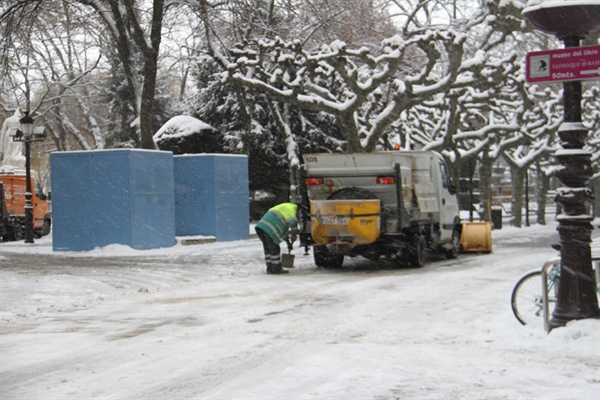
(12, 214)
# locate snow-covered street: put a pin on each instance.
(206, 322)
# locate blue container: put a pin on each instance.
(211, 196)
(107, 197)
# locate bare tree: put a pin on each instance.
(132, 25)
(55, 76)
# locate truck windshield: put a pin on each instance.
(38, 189)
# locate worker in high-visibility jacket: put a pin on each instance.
(272, 229)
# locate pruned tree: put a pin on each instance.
(272, 133)
(366, 91)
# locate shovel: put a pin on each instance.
(287, 260)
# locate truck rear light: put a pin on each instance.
(314, 181)
(385, 180)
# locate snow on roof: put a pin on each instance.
(180, 126)
(11, 169)
(211, 155)
(539, 4)
(119, 149)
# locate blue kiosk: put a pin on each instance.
(211, 196)
(144, 198)
(112, 196)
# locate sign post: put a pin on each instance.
(568, 64)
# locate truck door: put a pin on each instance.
(40, 205)
(448, 202)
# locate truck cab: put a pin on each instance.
(14, 185)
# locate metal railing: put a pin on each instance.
(550, 263)
(556, 262)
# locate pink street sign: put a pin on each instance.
(570, 64)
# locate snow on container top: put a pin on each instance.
(347, 164)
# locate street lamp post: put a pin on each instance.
(28, 134)
(571, 21)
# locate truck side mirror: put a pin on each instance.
(452, 189)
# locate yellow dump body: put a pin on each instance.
(345, 221)
(476, 237)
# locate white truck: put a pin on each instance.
(392, 205)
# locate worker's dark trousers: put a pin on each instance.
(272, 251)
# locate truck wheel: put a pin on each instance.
(455, 249)
(14, 233)
(417, 252)
(46, 227)
(324, 258)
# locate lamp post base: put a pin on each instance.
(576, 291)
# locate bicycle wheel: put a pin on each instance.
(526, 299)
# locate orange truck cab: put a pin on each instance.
(12, 202)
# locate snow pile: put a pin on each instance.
(180, 126)
(206, 322)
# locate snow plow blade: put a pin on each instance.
(476, 237)
(345, 221)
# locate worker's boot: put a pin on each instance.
(275, 269)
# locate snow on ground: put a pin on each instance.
(206, 322)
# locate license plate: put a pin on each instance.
(333, 220)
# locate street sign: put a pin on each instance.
(570, 64)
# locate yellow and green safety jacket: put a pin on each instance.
(278, 220)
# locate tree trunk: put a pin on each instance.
(245, 117)
(517, 196)
(125, 57)
(62, 143)
(485, 186)
(150, 70)
(147, 108)
(543, 184)
(350, 131)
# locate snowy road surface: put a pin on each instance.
(206, 322)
